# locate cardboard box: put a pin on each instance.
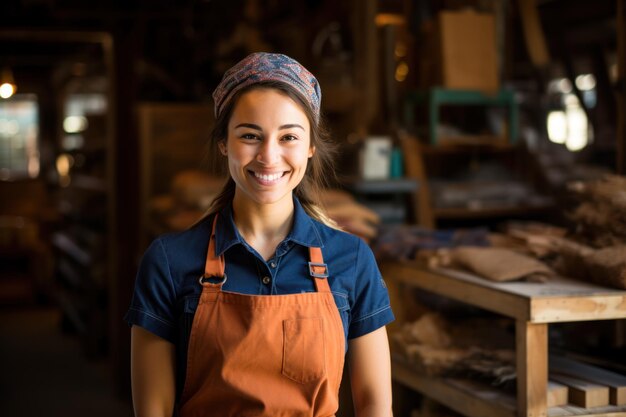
(466, 49)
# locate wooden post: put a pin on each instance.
(621, 87)
(366, 60)
(532, 369)
(126, 201)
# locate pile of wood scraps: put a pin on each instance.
(427, 344)
(601, 215)
(528, 251)
(604, 266)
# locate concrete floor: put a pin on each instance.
(44, 372)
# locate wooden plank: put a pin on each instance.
(459, 397)
(532, 368)
(583, 393)
(614, 381)
(557, 394)
(572, 410)
(583, 308)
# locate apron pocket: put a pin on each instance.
(303, 349)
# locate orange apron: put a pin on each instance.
(263, 355)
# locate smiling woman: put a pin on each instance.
(252, 310)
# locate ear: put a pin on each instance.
(311, 151)
(222, 146)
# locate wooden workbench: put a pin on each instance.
(533, 306)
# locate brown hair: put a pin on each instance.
(320, 171)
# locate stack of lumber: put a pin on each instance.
(601, 216)
(588, 386)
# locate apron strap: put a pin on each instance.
(214, 266)
(318, 270)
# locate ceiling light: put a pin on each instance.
(7, 83)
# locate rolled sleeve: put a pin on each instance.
(371, 308)
(154, 297)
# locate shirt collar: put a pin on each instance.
(304, 231)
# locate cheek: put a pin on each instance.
(239, 155)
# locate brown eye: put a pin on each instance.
(249, 136)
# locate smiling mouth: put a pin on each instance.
(268, 178)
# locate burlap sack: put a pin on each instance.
(498, 264)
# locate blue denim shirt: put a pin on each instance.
(167, 289)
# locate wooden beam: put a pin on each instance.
(557, 394)
(415, 169)
(533, 33)
(366, 60)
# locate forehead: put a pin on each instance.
(269, 105)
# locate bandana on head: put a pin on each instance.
(263, 66)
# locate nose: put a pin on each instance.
(269, 151)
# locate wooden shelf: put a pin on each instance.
(390, 186)
(474, 399)
(479, 144)
(533, 306)
(558, 300)
(459, 395)
(422, 162)
(454, 213)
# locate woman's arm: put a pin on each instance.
(370, 374)
(152, 374)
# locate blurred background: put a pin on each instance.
(448, 113)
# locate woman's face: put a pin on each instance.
(268, 146)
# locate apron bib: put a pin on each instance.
(263, 355)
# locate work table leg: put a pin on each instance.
(532, 368)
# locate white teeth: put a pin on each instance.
(270, 177)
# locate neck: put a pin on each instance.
(263, 226)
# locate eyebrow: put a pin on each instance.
(257, 127)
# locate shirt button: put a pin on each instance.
(273, 264)
(266, 280)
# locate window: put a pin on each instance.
(567, 123)
(19, 133)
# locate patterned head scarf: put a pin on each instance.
(263, 66)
